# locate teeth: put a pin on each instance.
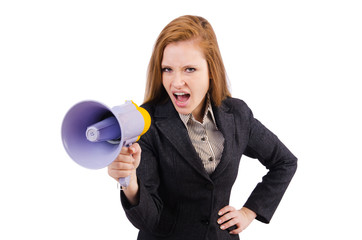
(180, 94)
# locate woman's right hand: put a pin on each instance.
(125, 165)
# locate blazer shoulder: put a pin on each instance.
(235, 106)
(149, 107)
(160, 110)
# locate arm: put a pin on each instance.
(140, 200)
(280, 162)
(125, 165)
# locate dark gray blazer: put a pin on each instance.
(178, 199)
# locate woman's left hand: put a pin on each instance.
(232, 217)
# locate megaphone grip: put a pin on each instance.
(124, 182)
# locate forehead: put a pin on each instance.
(183, 52)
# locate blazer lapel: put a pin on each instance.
(226, 124)
(169, 123)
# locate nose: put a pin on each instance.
(178, 81)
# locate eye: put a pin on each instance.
(190, 70)
(166, 69)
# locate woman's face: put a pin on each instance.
(185, 76)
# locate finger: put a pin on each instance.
(237, 230)
(228, 224)
(135, 150)
(225, 210)
(226, 217)
(124, 158)
(116, 174)
(122, 166)
(125, 151)
(136, 154)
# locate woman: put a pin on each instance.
(190, 155)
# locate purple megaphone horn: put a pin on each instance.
(93, 134)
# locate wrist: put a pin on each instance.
(249, 213)
(132, 190)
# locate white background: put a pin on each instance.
(296, 63)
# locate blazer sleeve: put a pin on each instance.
(281, 163)
(145, 214)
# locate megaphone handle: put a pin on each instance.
(124, 181)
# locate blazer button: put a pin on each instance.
(209, 186)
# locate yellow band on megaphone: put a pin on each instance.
(146, 117)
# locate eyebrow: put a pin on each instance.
(186, 66)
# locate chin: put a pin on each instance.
(182, 111)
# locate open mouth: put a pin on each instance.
(182, 97)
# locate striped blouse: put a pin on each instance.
(207, 140)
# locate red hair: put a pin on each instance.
(182, 29)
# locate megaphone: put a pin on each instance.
(93, 134)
